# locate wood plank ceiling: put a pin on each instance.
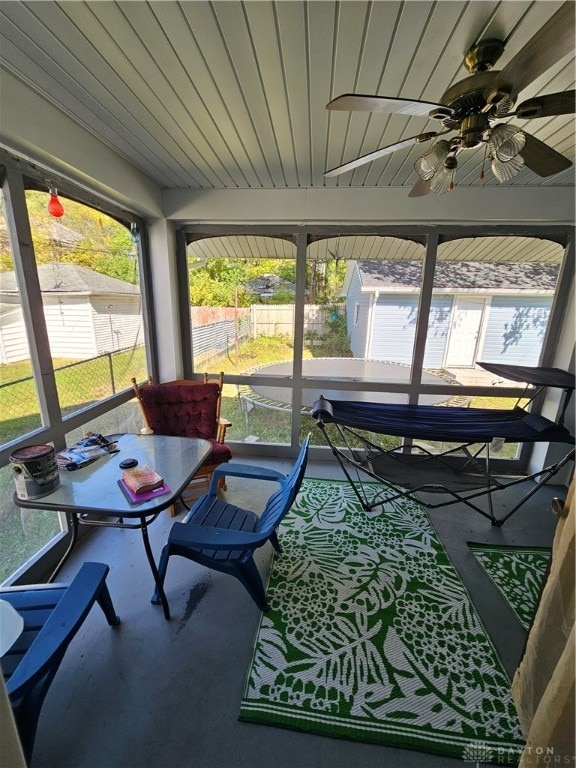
(232, 95)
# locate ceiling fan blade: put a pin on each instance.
(421, 188)
(546, 106)
(357, 102)
(553, 41)
(380, 153)
(541, 158)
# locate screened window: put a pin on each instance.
(242, 312)
(70, 308)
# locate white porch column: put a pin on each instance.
(545, 454)
(165, 292)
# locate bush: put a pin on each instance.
(335, 342)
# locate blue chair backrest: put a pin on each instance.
(281, 501)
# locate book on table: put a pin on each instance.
(142, 479)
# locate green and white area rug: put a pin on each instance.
(372, 636)
(517, 572)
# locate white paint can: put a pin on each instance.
(35, 471)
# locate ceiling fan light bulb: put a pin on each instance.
(511, 148)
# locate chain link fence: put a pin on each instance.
(78, 384)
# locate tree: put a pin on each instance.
(83, 236)
(220, 282)
(326, 278)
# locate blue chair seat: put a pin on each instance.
(222, 536)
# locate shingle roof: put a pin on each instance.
(466, 275)
(269, 284)
(70, 278)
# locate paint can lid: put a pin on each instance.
(31, 452)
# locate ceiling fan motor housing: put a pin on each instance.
(467, 96)
(468, 104)
(473, 131)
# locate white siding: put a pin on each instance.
(438, 331)
(358, 333)
(69, 325)
(515, 329)
(13, 342)
(78, 327)
(117, 322)
(394, 328)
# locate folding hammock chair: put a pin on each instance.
(466, 427)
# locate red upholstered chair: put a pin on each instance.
(185, 408)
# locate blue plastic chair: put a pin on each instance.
(224, 537)
(52, 614)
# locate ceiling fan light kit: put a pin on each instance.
(474, 108)
(506, 170)
(443, 179)
(428, 164)
(506, 141)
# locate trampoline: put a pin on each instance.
(338, 369)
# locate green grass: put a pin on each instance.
(505, 403)
(274, 426)
(24, 532)
(264, 349)
(79, 383)
(91, 380)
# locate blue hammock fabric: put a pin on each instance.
(538, 377)
(462, 426)
(430, 422)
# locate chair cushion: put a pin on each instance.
(220, 453)
(182, 410)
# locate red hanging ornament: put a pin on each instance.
(54, 205)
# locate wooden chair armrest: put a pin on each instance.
(222, 426)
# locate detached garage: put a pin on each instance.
(479, 311)
(86, 313)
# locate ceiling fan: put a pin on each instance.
(476, 106)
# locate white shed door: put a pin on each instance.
(465, 331)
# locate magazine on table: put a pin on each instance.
(85, 451)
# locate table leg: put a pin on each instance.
(154, 569)
(66, 555)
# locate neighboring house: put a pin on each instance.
(266, 286)
(86, 313)
(479, 311)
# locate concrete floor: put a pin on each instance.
(158, 694)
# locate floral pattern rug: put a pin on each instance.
(372, 636)
(517, 572)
